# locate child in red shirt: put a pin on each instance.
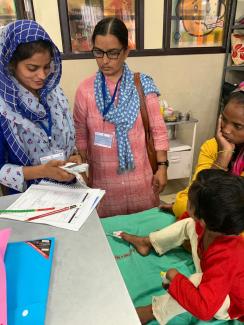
(216, 205)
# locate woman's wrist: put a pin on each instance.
(221, 164)
(226, 151)
(164, 163)
(223, 158)
(34, 172)
(217, 165)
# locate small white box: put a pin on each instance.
(74, 168)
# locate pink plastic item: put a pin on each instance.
(4, 235)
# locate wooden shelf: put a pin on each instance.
(235, 68)
(191, 120)
(237, 26)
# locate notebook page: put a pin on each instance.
(47, 196)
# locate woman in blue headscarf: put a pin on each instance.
(36, 129)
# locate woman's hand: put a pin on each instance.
(160, 179)
(52, 170)
(79, 160)
(225, 149)
(223, 144)
(75, 159)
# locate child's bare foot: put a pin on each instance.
(142, 244)
(167, 207)
(145, 314)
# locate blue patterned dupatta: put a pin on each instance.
(14, 34)
(125, 114)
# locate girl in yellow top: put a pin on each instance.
(224, 151)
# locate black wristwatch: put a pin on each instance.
(163, 163)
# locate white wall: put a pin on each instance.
(46, 13)
(187, 82)
(153, 24)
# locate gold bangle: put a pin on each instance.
(226, 151)
(220, 167)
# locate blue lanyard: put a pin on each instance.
(48, 129)
(106, 108)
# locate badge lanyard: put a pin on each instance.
(48, 129)
(106, 108)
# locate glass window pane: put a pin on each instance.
(198, 23)
(7, 12)
(84, 15)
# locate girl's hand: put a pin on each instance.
(171, 273)
(52, 170)
(75, 159)
(79, 160)
(160, 180)
(223, 144)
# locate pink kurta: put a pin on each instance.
(131, 191)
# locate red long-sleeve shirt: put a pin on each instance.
(223, 274)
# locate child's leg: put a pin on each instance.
(166, 307)
(145, 314)
(174, 235)
(166, 239)
(141, 244)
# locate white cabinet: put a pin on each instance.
(182, 136)
(179, 164)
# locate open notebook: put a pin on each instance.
(62, 206)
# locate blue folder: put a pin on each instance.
(28, 268)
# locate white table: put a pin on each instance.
(86, 286)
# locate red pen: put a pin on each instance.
(51, 213)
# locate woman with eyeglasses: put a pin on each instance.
(36, 128)
(109, 129)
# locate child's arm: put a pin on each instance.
(171, 273)
(205, 299)
(167, 277)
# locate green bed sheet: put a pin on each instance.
(142, 274)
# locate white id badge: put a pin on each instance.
(103, 140)
(55, 156)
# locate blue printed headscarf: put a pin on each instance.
(125, 114)
(12, 35)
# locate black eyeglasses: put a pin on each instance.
(111, 54)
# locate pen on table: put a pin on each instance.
(51, 213)
(95, 201)
(73, 215)
(26, 210)
(84, 197)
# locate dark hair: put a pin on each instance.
(218, 198)
(112, 26)
(26, 50)
(236, 96)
